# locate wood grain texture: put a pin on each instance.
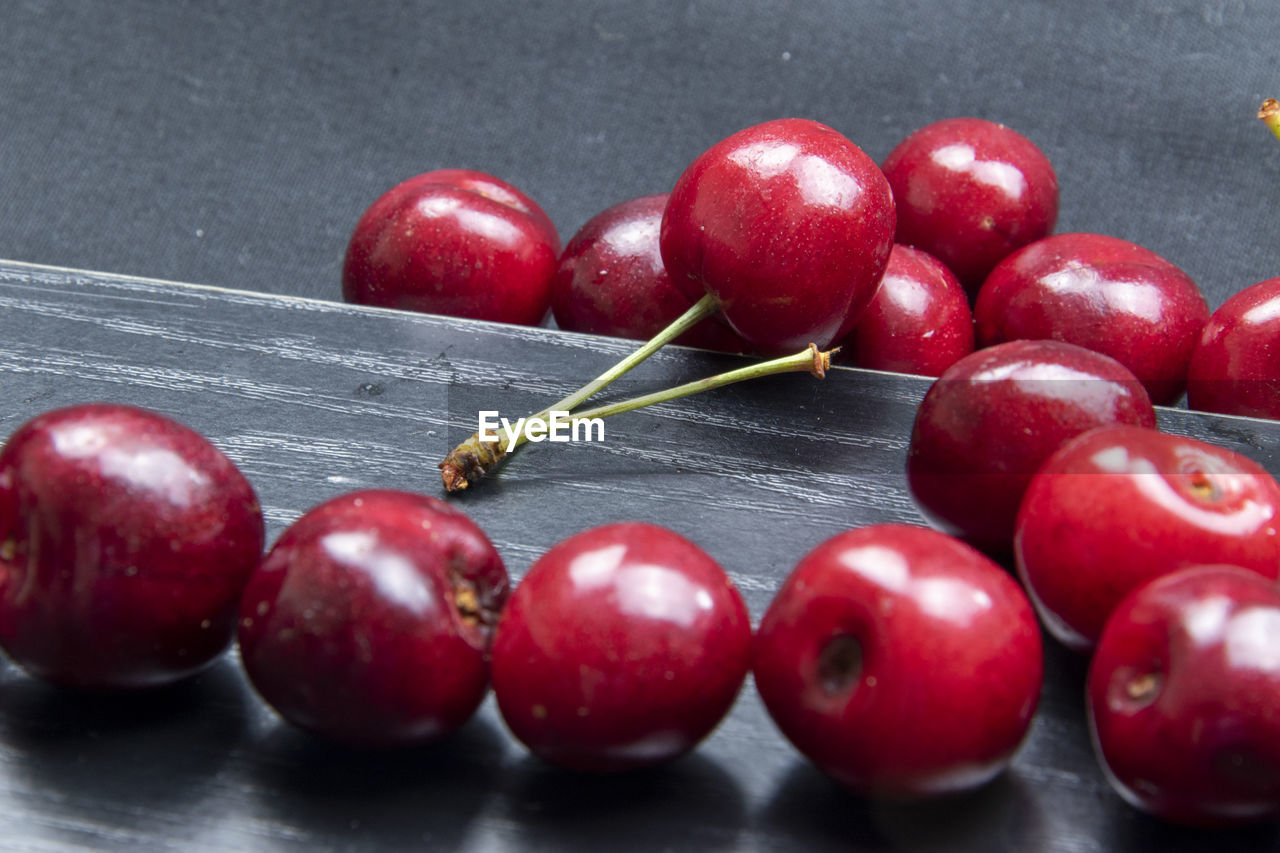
(313, 399)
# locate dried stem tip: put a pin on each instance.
(821, 361)
(1269, 112)
(469, 462)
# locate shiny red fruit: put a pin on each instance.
(970, 191)
(611, 281)
(995, 416)
(901, 661)
(370, 619)
(125, 541)
(788, 225)
(622, 647)
(1118, 506)
(1184, 697)
(1235, 369)
(454, 242)
(919, 321)
(1101, 293)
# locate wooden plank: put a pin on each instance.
(313, 399)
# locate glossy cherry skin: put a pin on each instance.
(1235, 368)
(901, 661)
(970, 191)
(455, 242)
(1184, 697)
(1118, 506)
(1101, 293)
(788, 225)
(611, 281)
(995, 416)
(370, 619)
(919, 321)
(622, 647)
(126, 539)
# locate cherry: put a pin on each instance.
(1235, 369)
(1118, 506)
(454, 242)
(918, 322)
(611, 280)
(994, 416)
(1101, 293)
(788, 225)
(785, 229)
(970, 191)
(901, 661)
(1184, 697)
(370, 619)
(125, 541)
(622, 647)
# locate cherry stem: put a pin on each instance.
(472, 459)
(1269, 112)
(810, 360)
(699, 311)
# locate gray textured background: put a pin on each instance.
(235, 144)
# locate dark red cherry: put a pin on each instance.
(901, 661)
(622, 647)
(125, 541)
(788, 225)
(455, 242)
(970, 191)
(1235, 368)
(1101, 293)
(1183, 695)
(995, 416)
(918, 322)
(370, 619)
(1120, 505)
(611, 280)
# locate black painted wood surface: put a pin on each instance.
(312, 399)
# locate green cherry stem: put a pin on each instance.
(1269, 112)
(473, 458)
(483, 456)
(810, 361)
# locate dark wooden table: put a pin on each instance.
(312, 399)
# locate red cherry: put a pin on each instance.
(370, 619)
(622, 647)
(611, 280)
(993, 417)
(1235, 369)
(901, 661)
(788, 225)
(1184, 697)
(918, 322)
(125, 541)
(1101, 293)
(970, 191)
(1118, 506)
(454, 242)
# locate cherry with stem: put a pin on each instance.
(784, 229)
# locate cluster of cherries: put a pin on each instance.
(904, 661)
